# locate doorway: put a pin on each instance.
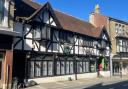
(1, 59)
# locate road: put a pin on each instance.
(119, 85)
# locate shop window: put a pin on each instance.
(45, 68)
(71, 67)
(31, 69)
(62, 67)
(50, 68)
(87, 66)
(93, 66)
(58, 68)
(67, 67)
(79, 67)
(37, 69)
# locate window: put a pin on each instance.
(58, 68)
(31, 67)
(67, 67)
(50, 68)
(45, 68)
(117, 28)
(71, 67)
(1, 10)
(46, 32)
(69, 38)
(37, 69)
(36, 34)
(79, 67)
(62, 67)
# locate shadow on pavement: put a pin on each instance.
(119, 85)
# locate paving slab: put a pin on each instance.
(79, 83)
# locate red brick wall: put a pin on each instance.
(100, 20)
(7, 62)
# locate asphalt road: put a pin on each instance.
(111, 85)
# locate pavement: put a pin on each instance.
(114, 82)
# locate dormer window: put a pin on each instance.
(1, 10)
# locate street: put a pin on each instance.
(97, 83)
(119, 85)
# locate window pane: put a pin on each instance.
(45, 68)
(71, 67)
(84, 67)
(87, 66)
(67, 67)
(31, 69)
(79, 67)
(62, 67)
(50, 68)
(58, 68)
(37, 69)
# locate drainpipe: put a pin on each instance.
(111, 65)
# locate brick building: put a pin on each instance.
(118, 33)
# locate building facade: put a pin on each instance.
(6, 43)
(56, 45)
(117, 30)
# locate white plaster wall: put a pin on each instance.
(27, 28)
(76, 49)
(42, 48)
(105, 73)
(28, 44)
(53, 23)
(60, 48)
(80, 50)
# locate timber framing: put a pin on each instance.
(52, 48)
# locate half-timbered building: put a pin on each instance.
(56, 44)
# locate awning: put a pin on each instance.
(9, 31)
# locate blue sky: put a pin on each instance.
(82, 8)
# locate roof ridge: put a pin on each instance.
(66, 14)
(73, 17)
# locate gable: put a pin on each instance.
(46, 15)
(104, 34)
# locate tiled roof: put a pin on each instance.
(67, 22)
